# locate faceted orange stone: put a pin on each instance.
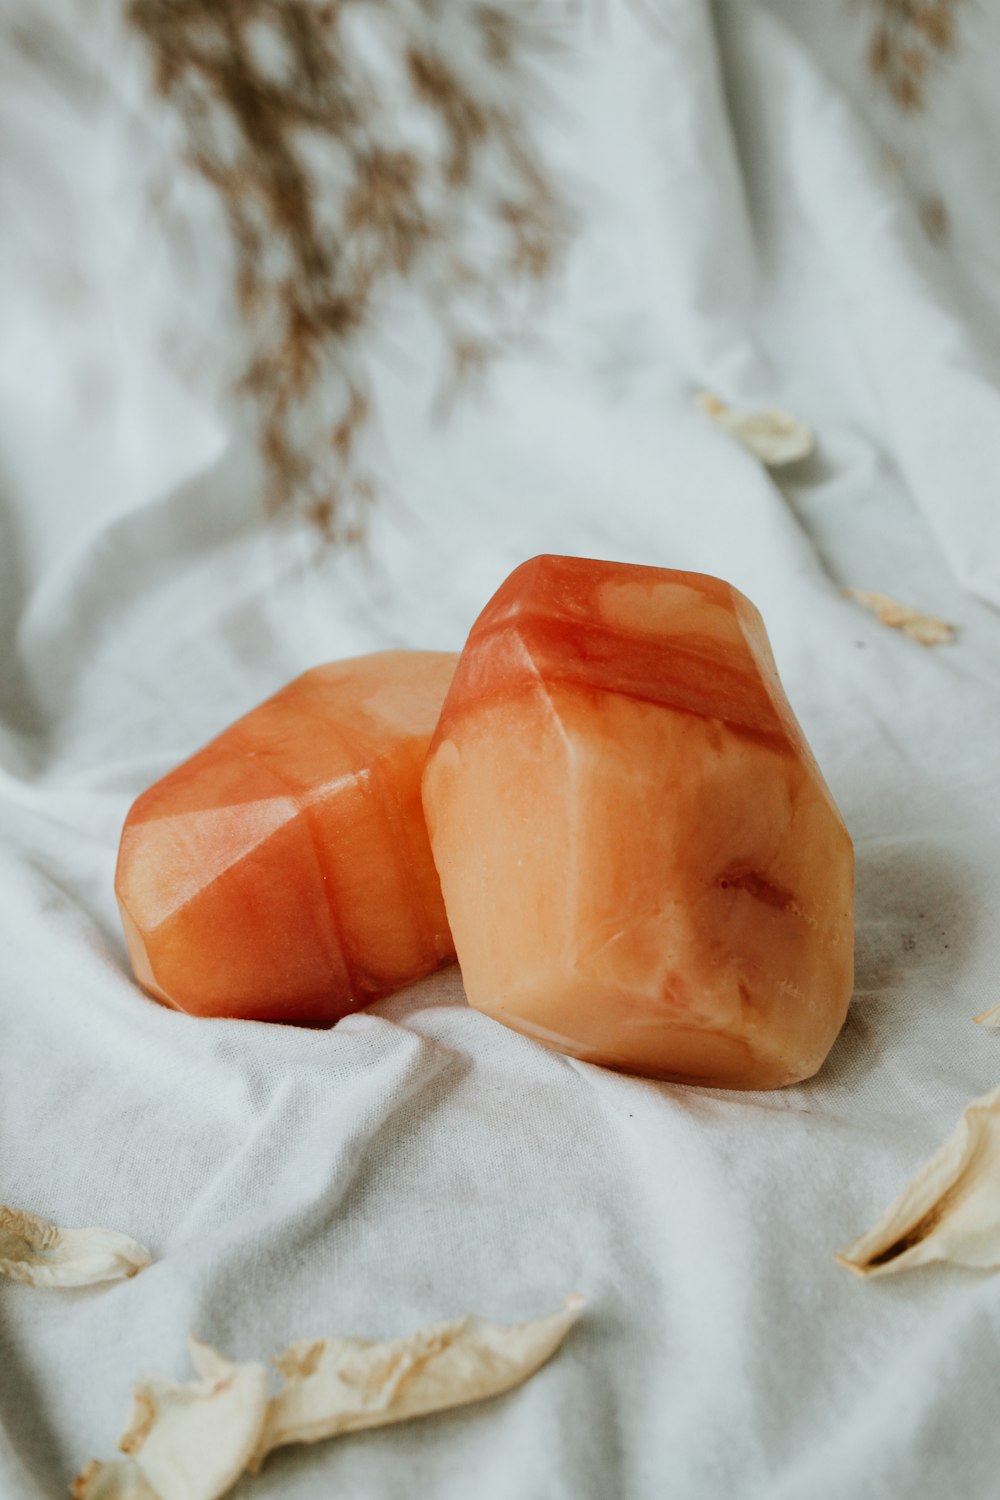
(641, 862)
(283, 873)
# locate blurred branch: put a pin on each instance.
(909, 38)
(354, 146)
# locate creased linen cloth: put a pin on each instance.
(419, 1161)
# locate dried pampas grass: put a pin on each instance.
(356, 146)
(909, 38)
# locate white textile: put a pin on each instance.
(740, 230)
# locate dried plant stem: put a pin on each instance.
(908, 38)
(355, 146)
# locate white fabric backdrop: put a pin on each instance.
(740, 231)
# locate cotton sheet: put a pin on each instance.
(741, 232)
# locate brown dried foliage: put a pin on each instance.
(908, 38)
(329, 204)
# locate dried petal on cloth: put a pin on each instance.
(772, 435)
(989, 1017)
(927, 630)
(122, 1480)
(193, 1441)
(951, 1209)
(340, 1385)
(41, 1253)
(185, 1441)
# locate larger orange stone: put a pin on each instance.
(283, 873)
(641, 862)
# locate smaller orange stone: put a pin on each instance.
(283, 873)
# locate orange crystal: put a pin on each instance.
(641, 863)
(283, 873)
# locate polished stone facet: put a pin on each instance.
(283, 873)
(641, 862)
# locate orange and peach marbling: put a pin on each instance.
(284, 873)
(640, 861)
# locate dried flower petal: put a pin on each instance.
(989, 1017)
(341, 1385)
(41, 1253)
(951, 1209)
(772, 435)
(194, 1441)
(185, 1441)
(115, 1481)
(927, 630)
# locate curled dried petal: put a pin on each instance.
(340, 1385)
(927, 630)
(185, 1441)
(41, 1253)
(772, 435)
(193, 1441)
(121, 1480)
(951, 1209)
